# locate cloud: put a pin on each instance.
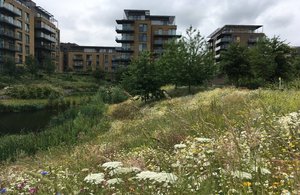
(92, 22)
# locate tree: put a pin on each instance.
(32, 65)
(236, 65)
(188, 61)
(9, 66)
(271, 59)
(141, 78)
(49, 65)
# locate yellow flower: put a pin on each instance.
(247, 184)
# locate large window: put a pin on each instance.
(143, 37)
(142, 47)
(27, 39)
(143, 27)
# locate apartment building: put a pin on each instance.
(87, 58)
(27, 29)
(246, 35)
(139, 31)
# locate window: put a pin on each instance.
(27, 50)
(143, 37)
(19, 36)
(143, 27)
(142, 47)
(27, 39)
(26, 28)
(106, 59)
(27, 17)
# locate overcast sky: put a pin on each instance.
(92, 22)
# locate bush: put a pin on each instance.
(113, 95)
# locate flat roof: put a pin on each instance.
(249, 27)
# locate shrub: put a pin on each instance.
(113, 95)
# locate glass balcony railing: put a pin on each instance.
(10, 20)
(8, 46)
(45, 36)
(11, 8)
(8, 33)
(124, 38)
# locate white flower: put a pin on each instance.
(112, 165)
(124, 170)
(241, 174)
(263, 171)
(94, 178)
(203, 140)
(114, 181)
(179, 146)
(157, 177)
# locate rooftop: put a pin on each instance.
(233, 26)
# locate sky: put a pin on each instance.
(93, 22)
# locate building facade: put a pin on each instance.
(246, 35)
(139, 31)
(77, 58)
(27, 29)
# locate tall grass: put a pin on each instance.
(72, 129)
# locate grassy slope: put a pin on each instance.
(145, 135)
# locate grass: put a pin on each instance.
(230, 142)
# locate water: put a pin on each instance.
(23, 122)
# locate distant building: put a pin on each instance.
(86, 58)
(246, 35)
(27, 29)
(139, 31)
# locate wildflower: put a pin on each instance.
(179, 146)
(114, 181)
(95, 178)
(158, 177)
(241, 175)
(203, 140)
(112, 165)
(3, 190)
(124, 170)
(32, 190)
(247, 184)
(44, 173)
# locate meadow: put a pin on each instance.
(218, 141)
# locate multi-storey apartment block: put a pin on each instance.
(139, 31)
(246, 35)
(27, 29)
(87, 58)
(16, 31)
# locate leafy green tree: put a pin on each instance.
(188, 61)
(271, 59)
(141, 78)
(9, 66)
(49, 65)
(32, 65)
(236, 65)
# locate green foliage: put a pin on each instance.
(235, 64)
(33, 91)
(32, 65)
(9, 66)
(188, 61)
(141, 78)
(112, 94)
(266, 62)
(49, 65)
(74, 127)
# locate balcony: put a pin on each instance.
(252, 40)
(121, 59)
(8, 46)
(46, 47)
(224, 40)
(166, 34)
(125, 21)
(123, 29)
(10, 21)
(9, 9)
(125, 49)
(45, 27)
(46, 37)
(125, 39)
(221, 47)
(9, 34)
